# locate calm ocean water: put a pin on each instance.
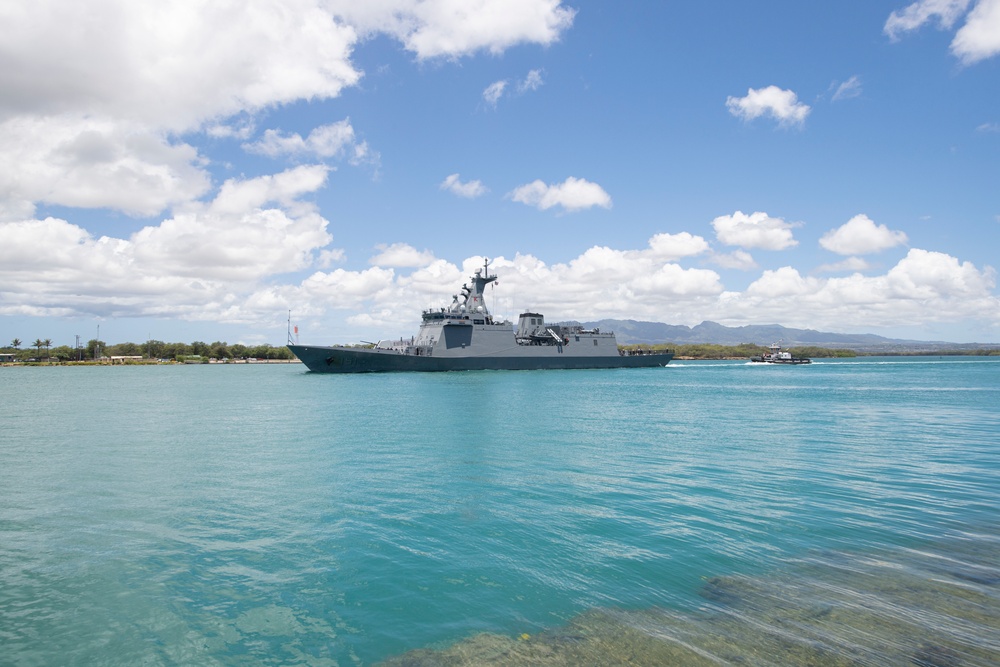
(844, 513)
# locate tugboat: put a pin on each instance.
(776, 356)
(464, 336)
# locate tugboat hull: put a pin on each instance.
(776, 356)
(789, 362)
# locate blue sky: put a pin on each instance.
(193, 174)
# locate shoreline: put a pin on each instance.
(253, 362)
(153, 362)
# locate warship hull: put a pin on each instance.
(353, 360)
(465, 337)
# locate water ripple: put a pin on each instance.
(842, 513)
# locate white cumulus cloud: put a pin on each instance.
(93, 163)
(915, 15)
(607, 282)
(929, 275)
(401, 255)
(977, 39)
(324, 141)
(669, 247)
(602, 282)
(195, 265)
(861, 236)
(573, 194)
(851, 264)
(738, 259)
(781, 283)
(343, 289)
(239, 195)
(469, 189)
(924, 287)
(454, 28)
(169, 64)
(757, 230)
(97, 94)
(782, 105)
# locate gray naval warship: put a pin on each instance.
(465, 337)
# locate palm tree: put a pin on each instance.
(16, 343)
(48, 344)
(38, 345)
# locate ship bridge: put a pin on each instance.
(471, 304)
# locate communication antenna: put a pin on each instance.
(493, 290)
(292, 341)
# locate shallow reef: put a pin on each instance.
(931, 606)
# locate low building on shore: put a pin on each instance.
(127, 359)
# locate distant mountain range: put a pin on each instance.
(630, 332)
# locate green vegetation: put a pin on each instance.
(97, 351)
(747, 350)
(812, 352)
(964, 352)
(741, 351)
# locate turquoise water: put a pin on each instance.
(846, 512)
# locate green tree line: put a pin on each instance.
(741, 351)
(42, 350)
(746, 350)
